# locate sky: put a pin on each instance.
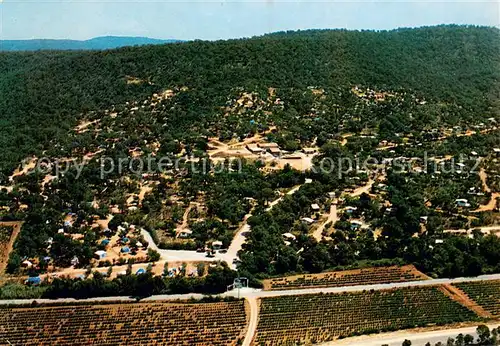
(212, 20)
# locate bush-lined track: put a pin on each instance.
(366, 276)
(221, 323)
(290, 320)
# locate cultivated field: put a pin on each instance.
(367, 276)
(221, 323)
(304, 319)
(484, 293)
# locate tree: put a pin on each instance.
(468, 339)
(14, 263)
(483, 333)
(153, 255)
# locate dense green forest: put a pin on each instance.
(44, 93)
(429, 91)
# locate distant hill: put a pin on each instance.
(97, 43)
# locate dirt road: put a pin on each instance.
(491, 204)
(332, 217)
(363, 189)
(25, 167)
(485, 230)
(157, 269)
(276, 201)
(493, 200)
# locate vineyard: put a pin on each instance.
(221, 323)
(485, 293)
(376, 275)
(290, 320)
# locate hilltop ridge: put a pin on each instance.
(96, 43)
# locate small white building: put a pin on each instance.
(268, 145)
(350, 210)
(185, 233)
(100, 254)
(307, 220)
(289, 236)
(216, 245)
(27, 264)
(254, 149)
(275, 151)
(315, 207)
(462, 202)
(355, 224)
(75, 261)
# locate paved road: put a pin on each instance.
(254, 320)
(417, 337)
(257, 293)
(431, 282)
(240, 236)
(237, 243)
(177, 255)
(229, 257)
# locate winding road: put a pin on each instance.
(229, 257)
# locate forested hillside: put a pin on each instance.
(246, 127)
(44, 93)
